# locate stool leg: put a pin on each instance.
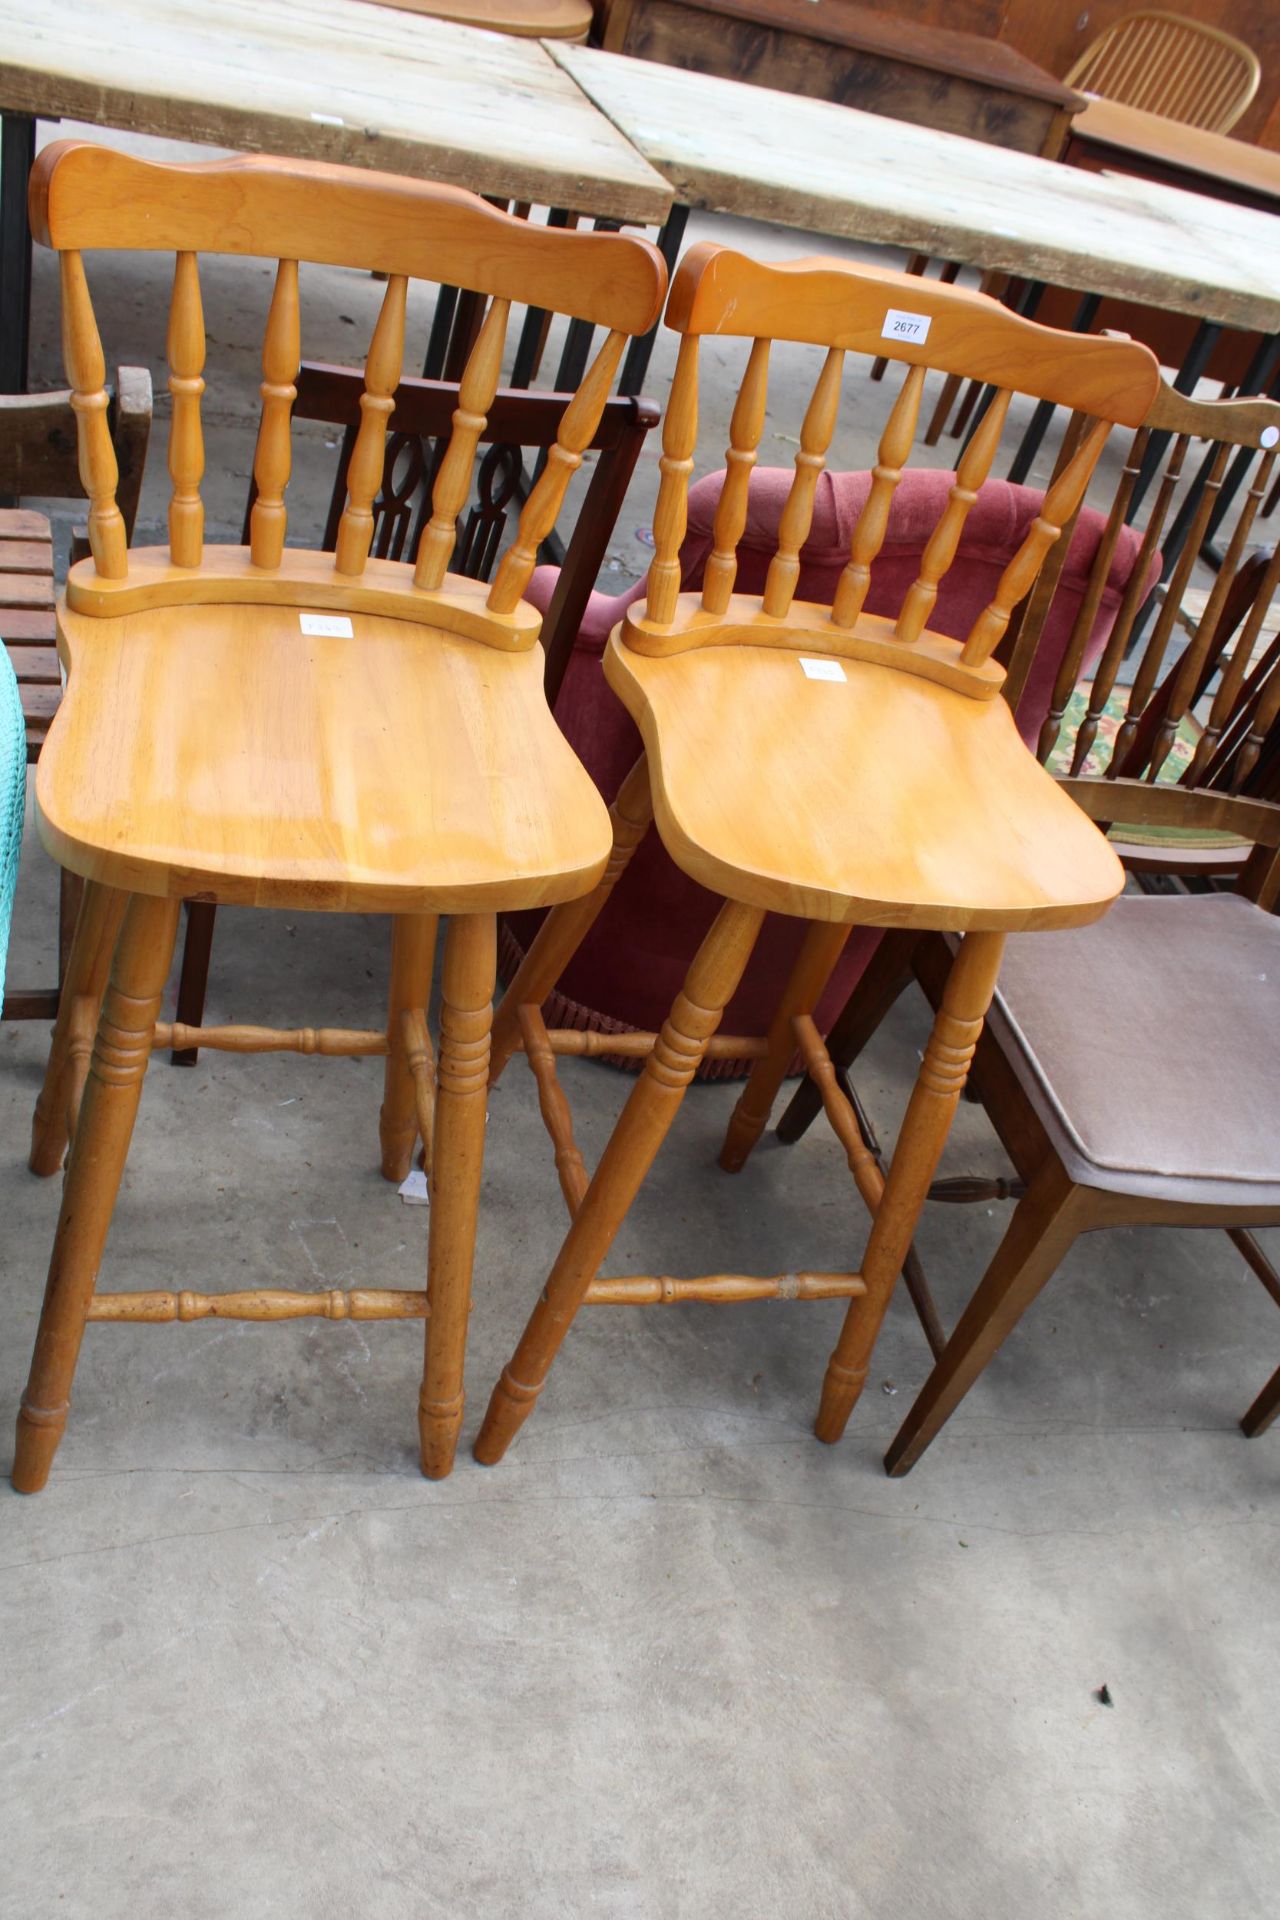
(823, 945)
(566, 927)
(98, 1151)
(83, 985)
(1264, 1409)
(941, 1079)
(413, 947)
(709, 985)
(462, 1085)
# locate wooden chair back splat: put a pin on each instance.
(872, 781)
(272, 726)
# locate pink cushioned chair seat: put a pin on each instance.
(627, 971)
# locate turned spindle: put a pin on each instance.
(740, 457)
(186, 350)
(868, 535)
(87, 372)
(281, 358)
(797, 515)
(453, 482)
(382, 371)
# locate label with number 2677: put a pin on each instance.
(905, 326)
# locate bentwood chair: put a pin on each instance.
(822, 762)
(1176, 753)
(269, 726)
(1165, 63)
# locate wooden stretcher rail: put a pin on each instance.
(348, 1041)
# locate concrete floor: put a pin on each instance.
(673, 1658)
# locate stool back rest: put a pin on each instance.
(926, 324)
(1167, 64)
(85, 197)
(1185, 752)
(517, 422)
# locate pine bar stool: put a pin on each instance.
(275, 727)
(841, 767)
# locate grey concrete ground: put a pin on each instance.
(673, 1658)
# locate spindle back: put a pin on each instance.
(1167, 64)
(925, 324)
(85, 197)
(1175, 725)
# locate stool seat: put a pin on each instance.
(873, 796)
(222, 751)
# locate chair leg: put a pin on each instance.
(1045, 1222)
(887, 973)
(84, 982)
(70, 895)
(925, 1126)
(413, 948)
(654, 1100)
(462, 1088)
(98, 1152)
(823, 944)
(193, 980)
(1264, 1409)
(566, 927)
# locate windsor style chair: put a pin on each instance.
(1073, 1067)
(1166, 63)
(38, 461)
(841, 767)
(516, 423)
(272, 726)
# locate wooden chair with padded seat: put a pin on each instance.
(271, 726)
(1165, 63)
(823, 762)
(1073, 1065)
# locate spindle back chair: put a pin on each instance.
(275, 726)
(517, 422)
(1171, 747)
(822, 762)
(1165, 63)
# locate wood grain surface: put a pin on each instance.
(330, 80)
(830, 169)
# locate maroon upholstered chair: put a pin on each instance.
(627, 970)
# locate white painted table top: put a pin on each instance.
(329, 80)
(824, 168)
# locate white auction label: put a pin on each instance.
(905, 326)
(328, 626)
(822, 669)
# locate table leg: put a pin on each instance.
(17, 151)
(639, 353)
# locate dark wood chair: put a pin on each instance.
(38, 461)
(1170, 747)
(519, 424)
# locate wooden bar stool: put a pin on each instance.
(268, 726)
(827, 763)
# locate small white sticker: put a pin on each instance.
(822, 669)
(413, 1191)
(905, 326)
(328, 626)
(328, 120)
(1269, 436)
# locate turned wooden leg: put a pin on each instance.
(193, 980)
(98, 1151)
(462, 1085)
(886, 974)
(83, 985)
(925, 1126)
(709, 986)
(565, 928)
(70, 895)
(1045, 1221)
(413, 947)
(822, 946)
(1264, 1409)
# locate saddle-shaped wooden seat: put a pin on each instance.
(391, 768)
